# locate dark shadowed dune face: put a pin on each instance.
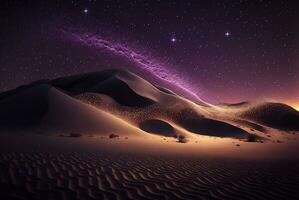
(274, 115)
(24, 108)
(158, 127)
(122, 93)
(81, 83)
(22, 88)
(103, 83)
(211, 127)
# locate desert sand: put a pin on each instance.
(114, 135)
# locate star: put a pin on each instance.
(85, 10)
(227, 34)
(173, 39)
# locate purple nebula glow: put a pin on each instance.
(156, 68)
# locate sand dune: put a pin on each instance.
(42, 106)
(114, 100)
(25, 107)
(124, 87)
(82, 118)
(274, 115)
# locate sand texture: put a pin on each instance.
(114, 135)
(99, 176)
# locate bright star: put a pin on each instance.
(227, 34)
(173, 39)
(85, 10)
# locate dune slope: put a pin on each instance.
(274, 115)
(24, 108)
(67, 114)
(119, 101)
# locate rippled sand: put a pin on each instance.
(47, 167)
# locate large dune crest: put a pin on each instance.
(120, 102)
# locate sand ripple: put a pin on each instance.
(100, 176)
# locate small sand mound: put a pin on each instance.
(182, 139)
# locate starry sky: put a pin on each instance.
(219, 51)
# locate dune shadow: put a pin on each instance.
(157, 127)
(211, 127)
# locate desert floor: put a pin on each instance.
(36, 166)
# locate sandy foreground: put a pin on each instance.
(55, 167)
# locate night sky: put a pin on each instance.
(220, 51)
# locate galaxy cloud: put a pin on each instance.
(154, 67)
